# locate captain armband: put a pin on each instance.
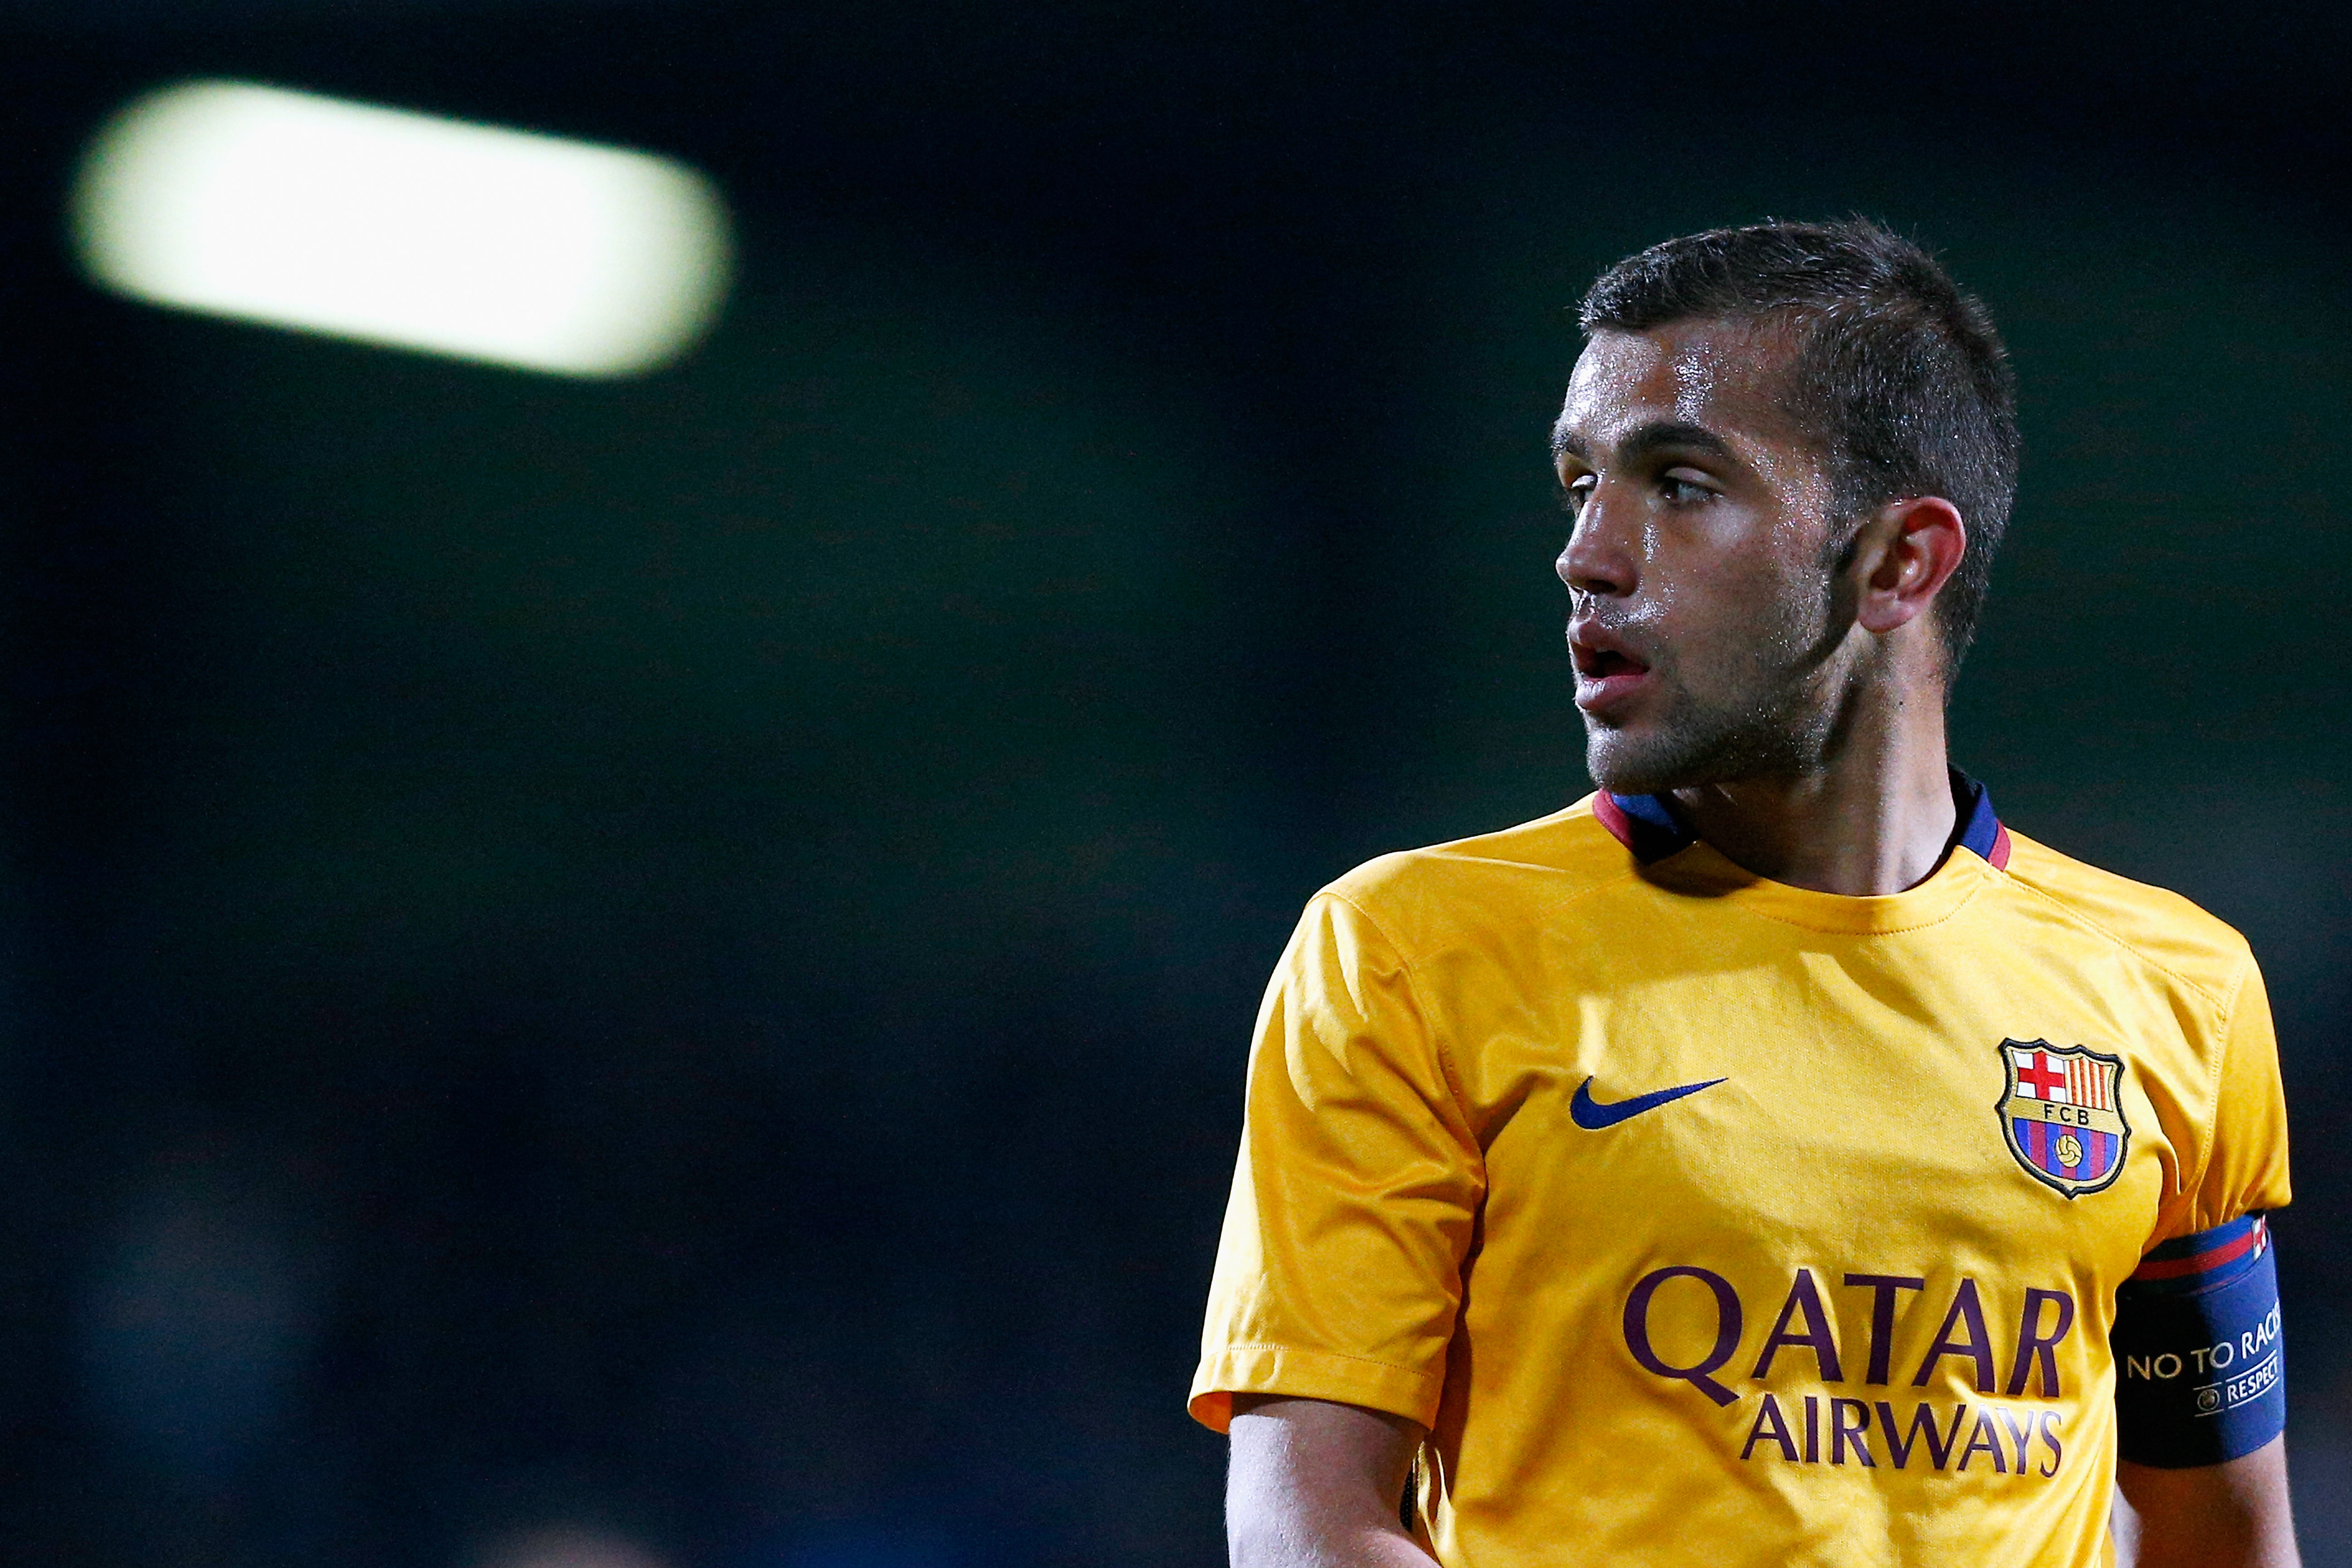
(2201, 1376)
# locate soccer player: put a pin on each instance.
(1770, 1158)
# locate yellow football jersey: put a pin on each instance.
(1704, 1219)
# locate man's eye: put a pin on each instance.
(1685, 492)
(1573, 496)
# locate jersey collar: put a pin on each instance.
(1651, 828)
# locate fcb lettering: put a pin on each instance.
(2060, 1114)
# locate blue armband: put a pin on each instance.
(2200, 1374)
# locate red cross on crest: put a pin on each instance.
(2062, 1114)
(2036, 1071)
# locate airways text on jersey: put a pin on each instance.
(1958, 1361)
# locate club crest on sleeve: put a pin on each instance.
(2062, 1114)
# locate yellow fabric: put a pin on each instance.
(1418, 1226)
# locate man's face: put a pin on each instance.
(1707, 611)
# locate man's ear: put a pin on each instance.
(1909, 550)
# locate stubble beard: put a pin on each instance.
(1767, 719)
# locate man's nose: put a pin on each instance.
(1601, 557)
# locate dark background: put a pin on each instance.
(673, 958)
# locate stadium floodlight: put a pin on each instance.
(401, 228)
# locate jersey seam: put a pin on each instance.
(2213, 1088)
(2087, 923)
(1876, 931)
(1614, 880)
(1436, 1037)
(1316, 1349)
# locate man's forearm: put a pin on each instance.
(1301, 1541)
(1316, 1485)
(2233, 1515)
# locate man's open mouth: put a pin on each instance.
(1601, 663)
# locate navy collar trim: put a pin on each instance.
(1650, 827)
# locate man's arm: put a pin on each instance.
(2232, 1515)
(1316, 1485)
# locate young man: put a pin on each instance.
(1769, 1159)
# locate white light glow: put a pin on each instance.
(399, 228)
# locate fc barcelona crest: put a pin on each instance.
(2062, 1114)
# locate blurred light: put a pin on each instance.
(568, 1547)
(398, 229)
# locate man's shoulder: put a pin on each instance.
(1418, 896)
(2159, 926)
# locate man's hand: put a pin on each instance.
(2214, 1516)
(1316, 1485)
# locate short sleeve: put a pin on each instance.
(2245, 1159)
(1340, 1270)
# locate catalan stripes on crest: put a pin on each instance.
(2086, 1084)
(2062, 1114)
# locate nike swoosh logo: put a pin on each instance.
(1593, 1116)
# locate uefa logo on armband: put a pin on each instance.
(2062, 1114)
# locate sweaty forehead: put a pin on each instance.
(1723, 376)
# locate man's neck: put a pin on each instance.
(1878, 818)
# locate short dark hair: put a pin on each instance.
(1897, 372)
